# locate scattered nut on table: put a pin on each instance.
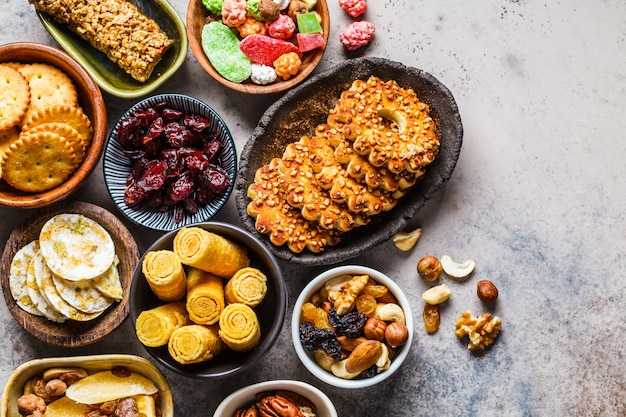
(437, 294)
(431, 317)
(482, 331)
(486, 291)
(457, 270)
(429, 268)
(405, 241)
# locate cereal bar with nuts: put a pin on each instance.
(115, 27)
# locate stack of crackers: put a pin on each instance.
(44, 133)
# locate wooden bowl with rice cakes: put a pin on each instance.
(66, 274)
(61, 123)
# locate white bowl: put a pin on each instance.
(246, 395)
(307, 358)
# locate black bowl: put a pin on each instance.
(299, 111)
(271, 312)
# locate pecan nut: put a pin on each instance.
(276, 406)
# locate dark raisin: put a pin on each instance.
(120, 371)
(350, 324)
(314, 338)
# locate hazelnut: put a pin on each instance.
(487, 292)
(429, 268)
(374, 329)
(396, 334)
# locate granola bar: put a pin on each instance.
(115, 27)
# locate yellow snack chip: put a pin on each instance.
(106, 386)
(14, 97)
(38, 162)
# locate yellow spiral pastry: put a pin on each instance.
(248, 286)
(165, 275)
(194, 343)
(154, 327)
(210, 252)
(239, 327)
(205, 296)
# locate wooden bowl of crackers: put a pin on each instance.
(198, 16)
(66, 273)
(53, 132)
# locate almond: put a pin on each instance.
(364, 355)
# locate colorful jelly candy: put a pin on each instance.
(354, 8)
(234, 12)
(287, 65)
(221, 46)
(214, 6)
(252, 27)
(265, 50)
(262, 74)
(309, 41)
(281, 28)
(357, 34)
(308, 23)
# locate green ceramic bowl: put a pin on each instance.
(107, 74)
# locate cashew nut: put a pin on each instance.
(437, 294)
(390, 312)
(383, 358)
(339, 370)
(457, 270)
(406, 241)
(324, 360)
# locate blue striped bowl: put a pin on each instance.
(116, 166)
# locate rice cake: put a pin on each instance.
(82, 295)
(76, 247)
(38, 297)
(109, 283)
(18, 277)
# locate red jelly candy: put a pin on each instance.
(265, 50)
(309, 41)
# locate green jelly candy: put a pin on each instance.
(214, 6)
(221, 46)
(307, 23)
(252, 7)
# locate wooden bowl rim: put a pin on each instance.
(90, 99)
(73, 333)
(308, 64)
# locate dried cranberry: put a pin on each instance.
(153, 177)
(191, 206)
(151, 114)
(128, 133)
(196, 122)
(197, 162)
(204, 194)
(181, 188)
(170, 115)
(133, 194)
(173, 161)
(212, 148)
(215, 178)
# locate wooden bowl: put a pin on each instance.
(196, 19)
(90, 99)
(73, 333)
(92, 364)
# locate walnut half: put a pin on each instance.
(482, 331)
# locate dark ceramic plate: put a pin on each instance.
(117, 166)
(298, 113)
(107, 74)
(270, 312)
